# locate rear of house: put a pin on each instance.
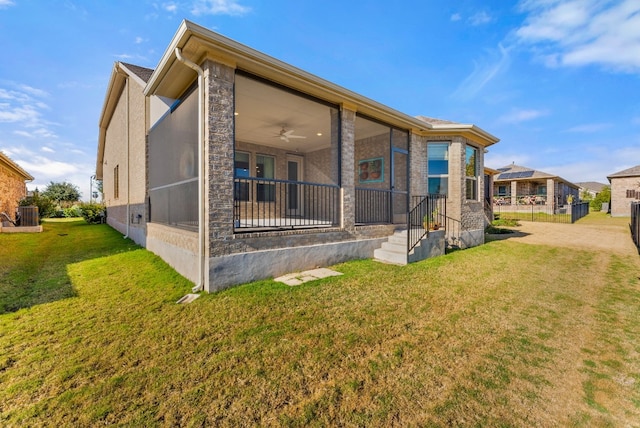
(247, 167)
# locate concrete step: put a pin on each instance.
(395, 247)
(390, 256)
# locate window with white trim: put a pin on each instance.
(471, 173)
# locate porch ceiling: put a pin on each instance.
(263, 110)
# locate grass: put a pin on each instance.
(505, 334)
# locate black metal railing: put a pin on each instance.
(373, 206)
(542, 213)
(428, 213)
(635, 224)
(267, 204)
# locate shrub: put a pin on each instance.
(93, 213)
(46, 207)
(74, 211)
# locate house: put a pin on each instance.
(625, 188)
(122, 149)
(13, 187)
(590, 188)
(520, 185)
(234, 166)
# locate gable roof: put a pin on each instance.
(170, 79)
(119, 75)
(12, 166)
(592, 185)
(515, 172)
(629, 172)
(143, 73)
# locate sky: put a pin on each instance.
(558, 81)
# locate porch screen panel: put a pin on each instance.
(173, 166)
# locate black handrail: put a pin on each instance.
(428, 213)
(635, 224)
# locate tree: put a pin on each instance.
(64, 194)
(603, 196)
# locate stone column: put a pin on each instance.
(347, 152)
(551, 193)
(514, 192)
(219, 152)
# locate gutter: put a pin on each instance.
(201, 214)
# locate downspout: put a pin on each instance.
(201, 211)
(128, 163)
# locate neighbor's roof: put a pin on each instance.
(630, 172)
(592, 185)
(197, 43)
(515, 172)
(12, 166)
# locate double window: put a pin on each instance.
(438, 167)
(265, 168)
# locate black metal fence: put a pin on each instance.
(428, 213)
(635, 223)
(542, 213)
(266, 204)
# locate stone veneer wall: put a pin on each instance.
(12, 190)
(620, 204)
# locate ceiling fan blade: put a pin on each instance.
(296, 136)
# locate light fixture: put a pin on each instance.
(319, 134)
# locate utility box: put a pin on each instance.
(28, 216)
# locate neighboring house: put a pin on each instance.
(489, 176)
(625, 188)
(519, 185)
(254, 168)
(12, 187)
(591, 188)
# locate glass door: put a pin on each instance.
(294, 190)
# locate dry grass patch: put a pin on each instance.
(506, 334)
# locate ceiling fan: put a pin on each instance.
(287, 135)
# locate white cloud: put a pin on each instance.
(456, 17)
(6, 3)
(218, 7)
(590, 127)
(170, 7)
(139, 40)
(47, 149)
(522, 115)
(583, 32)
(480, 18)
(483, 73)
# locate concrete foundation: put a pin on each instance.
(233, 269)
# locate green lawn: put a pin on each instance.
(505, 334)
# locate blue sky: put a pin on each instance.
(558, 81)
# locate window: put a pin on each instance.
(502, 190)
(265, 168)
(633, 194)
(116, 182)
(241, 170)
(471, 172)
(542, 190)
(438, 168)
